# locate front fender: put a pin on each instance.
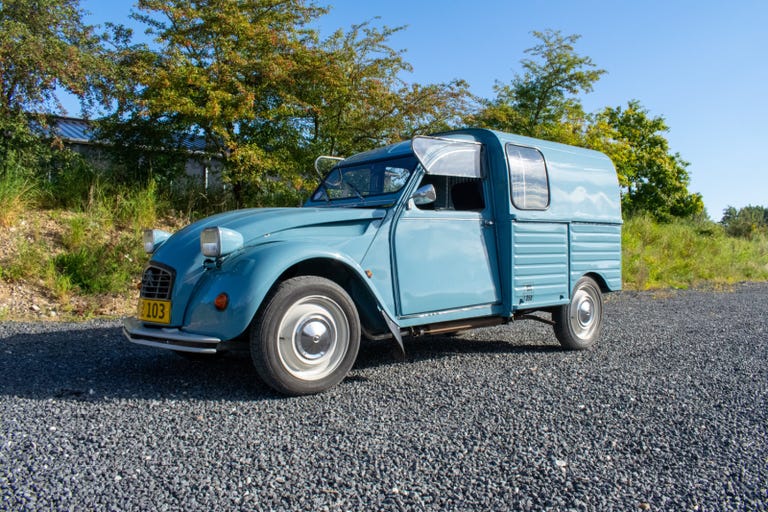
(247, 279)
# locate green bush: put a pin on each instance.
(100, 267)
(70, 182)
(749, 222)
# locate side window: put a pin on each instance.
(528, 178)
(394, 179)
(454, 193)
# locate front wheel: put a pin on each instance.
(577, 325)
(307, 336)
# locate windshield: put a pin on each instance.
(367, 179)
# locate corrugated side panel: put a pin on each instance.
(540, 268)
(596, 248)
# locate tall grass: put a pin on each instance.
(103, 251)
(97, 248)
(16, 195)
(686, 254)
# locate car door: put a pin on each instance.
(445, 254)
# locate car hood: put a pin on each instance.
(261, 225)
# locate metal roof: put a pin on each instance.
(74, 130)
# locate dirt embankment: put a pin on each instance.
(26, 291)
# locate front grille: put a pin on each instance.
(156, 283)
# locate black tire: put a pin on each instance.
(578, 324)
(306, 338)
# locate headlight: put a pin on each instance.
(154, 238)
(217, 242)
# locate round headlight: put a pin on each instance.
(217, 242)
(154, 238)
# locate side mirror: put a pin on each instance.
(424, 195)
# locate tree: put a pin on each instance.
(225, 70)
(748, 222)
(543, 101)
(44, 47)
(358, 99)
(143, 146)
(269, 96)
(653, 179)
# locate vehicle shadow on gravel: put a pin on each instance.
(98, 363)
(382, 353)
(94, 364)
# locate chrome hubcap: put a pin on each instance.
(585, 310)
(313, 337)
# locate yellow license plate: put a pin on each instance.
(157, 311)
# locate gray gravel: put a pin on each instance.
(667, 413)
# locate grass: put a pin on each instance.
(96, 250)
(89, 252)
(16, 196)
(687, 254)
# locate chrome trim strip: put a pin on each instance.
(444, 219)
(168, 338)
(177, 348)
(447, 311)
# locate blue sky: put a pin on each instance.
(702, 65)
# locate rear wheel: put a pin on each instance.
(577, 325)
(307, 337)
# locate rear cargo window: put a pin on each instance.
(528, 178)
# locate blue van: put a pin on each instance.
(437, 234)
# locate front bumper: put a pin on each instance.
(168, 338)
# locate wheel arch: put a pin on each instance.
(596, 277)
(367, 304)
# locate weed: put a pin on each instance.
(27, 263)
(78, 232)
(138, 207)
(60, 285)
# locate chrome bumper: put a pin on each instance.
(168, 338)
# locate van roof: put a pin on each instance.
(482, 134)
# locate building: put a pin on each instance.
(202, 165)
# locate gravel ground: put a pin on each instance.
(667, 413)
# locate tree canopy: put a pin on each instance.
(748, 222)
(544, 99)
(544, 102)
(268, 94)
(45, 48)
(653, 179)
